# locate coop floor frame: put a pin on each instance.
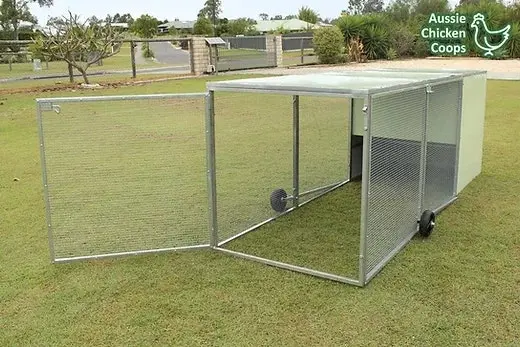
(367, 95)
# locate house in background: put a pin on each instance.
(290, 25)
(182, 26)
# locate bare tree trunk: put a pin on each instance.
(71, 73)
(84, 74)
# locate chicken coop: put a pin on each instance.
(395, 149)
(326, 174)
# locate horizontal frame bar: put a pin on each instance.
(134, 253)
(445, 205)
(327, 93)
(314, 190)
(124, 97)
(280, 215)
(294, 268)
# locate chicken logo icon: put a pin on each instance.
(488, 40)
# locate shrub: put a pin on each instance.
(355, 50)
(147, 52)
(514, 41)
(391, 54)
(402, 40)
(329, 45)
(376, 42)
(351, 27)
(421, 48)
(373, 31)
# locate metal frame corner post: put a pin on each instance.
(459, 136)
(211, 167)
(365, 192)
(39, 118)
(424, 151)
(296, 150)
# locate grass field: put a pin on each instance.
(120, 61)
(459, 287)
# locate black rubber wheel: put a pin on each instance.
(427, 223)
(278, 202)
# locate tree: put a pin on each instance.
(80, 44)
(372, 6)
(427, 7)
(277, 17)
(308, 15)
(211, 10)
(145, 26)
(12, 12)
(355, 6)
(241, 26)
(400, 10)
(291, 16)
(203, 27)
(264, 16)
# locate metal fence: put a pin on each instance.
(298, 50)
(247, 52)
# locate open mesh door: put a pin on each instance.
(124, 175)
(394, 176)
(442, 138)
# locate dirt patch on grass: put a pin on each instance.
(123, 82)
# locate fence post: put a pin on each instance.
(132, 55)
(10, 63)
(302, 51)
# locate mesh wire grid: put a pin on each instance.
(397, 129)
(253, 149)
(254, 158)
(441, 150)
(324, 136)
(126, 176)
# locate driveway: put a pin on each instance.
(166, 53)
(496, 69)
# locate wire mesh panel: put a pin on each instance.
(324, 142)
(255, 157)
(397, 130)
(253, 141)
(125, 175)
(442, 139)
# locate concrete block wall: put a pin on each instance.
(273, 44)
(200, 55)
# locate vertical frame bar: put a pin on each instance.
(296, 150)
(350, 122)
(459, 129)
(424, 145)
(39, 117)
(365, 188)
(211, 168)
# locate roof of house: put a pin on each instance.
(287, 24)
(179, 24)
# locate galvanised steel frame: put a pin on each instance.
(49, 104)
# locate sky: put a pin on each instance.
(186, 10)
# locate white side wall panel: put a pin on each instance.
(472, 129)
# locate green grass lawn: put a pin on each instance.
(459, 287)
(120, 61)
